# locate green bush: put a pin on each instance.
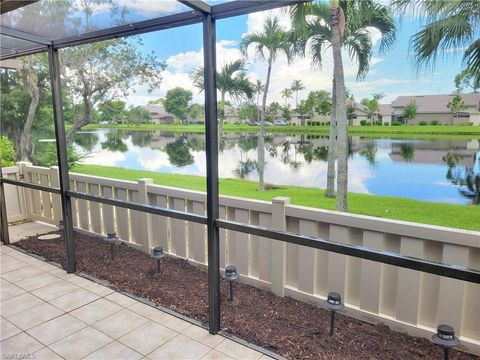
(434, 122)
(422, 123)
(309, 122)
(363, 122)
(7, 152)
(317, 123)
(385, 124)
(396, 123)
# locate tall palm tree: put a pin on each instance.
(286, 94)
(269, 44)
(258, 88)
(297, 86)
(451, 24)
(231, 80)
(314, 25)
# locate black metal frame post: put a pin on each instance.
(61, 142)
(5, 237)
(211, 135)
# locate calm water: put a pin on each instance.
(433, 169)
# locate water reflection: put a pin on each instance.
(433, 170)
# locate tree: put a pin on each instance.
(179, 153)
(372, 105)
(467, 79)
(313, 25)
(450, 24)
(297, 86)
(138, 115)
(286, 94)
(320, 101)
(269, 44)
(196, 112)
(258, 88)
(7, 152)
(410, 111)
(97, 72)
(177, 102)
(247, 111)
(231, 80)
(112, 111)
(456, 105)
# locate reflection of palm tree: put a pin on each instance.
(245, 168)
(369, 153)
(466, 179)
(179, 153)
(407, 151)
(114, 143)
(87, 141)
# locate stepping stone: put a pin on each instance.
(49, 237)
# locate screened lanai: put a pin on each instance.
(27, 28)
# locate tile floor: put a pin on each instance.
(49, 314)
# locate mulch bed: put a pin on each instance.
(291, 328)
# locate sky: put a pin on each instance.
(393, 74)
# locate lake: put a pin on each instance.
(439, 170)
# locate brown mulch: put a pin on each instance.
(291, 328)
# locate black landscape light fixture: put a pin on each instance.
(60, 225)
(157, 254)
(333, 303)
(445, 337)
(231, 275)
(112, 239)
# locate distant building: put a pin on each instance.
(434, 107)
(360, 113)
(385, 113)
(158, 114)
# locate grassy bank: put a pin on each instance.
(457, 216)
(352, 130)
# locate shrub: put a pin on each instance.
(309, 122)
(434, 122)
(396, 123)
(422, 123)
(317, 123)
(328, 123)
(363, 122)
(7, 152)
(385, 124)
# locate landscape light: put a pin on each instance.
(333, 303)
(445, 337)
(157, 254)
(112, 239)
(231, 275)
(60, 224)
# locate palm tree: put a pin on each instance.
(451, 24)
(315, 25)
(231, 80)
(258, 88)
(297, 86)
(269, 44)
(286, 94)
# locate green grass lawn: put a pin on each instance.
(456, 216)
(353, 130)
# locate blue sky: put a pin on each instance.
(393, 73)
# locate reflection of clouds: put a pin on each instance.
(151, 159)
(104, 157)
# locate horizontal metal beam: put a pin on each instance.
(197, 5)
(156, 210)
(141, 27)
(10, 5)
(362, 252)
(238, 8)
(28, 50)
(31, 185)
(24, 36)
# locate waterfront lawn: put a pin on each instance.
(456, 216)
(353, 130)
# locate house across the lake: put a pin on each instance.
(434, 107)
(158, 114)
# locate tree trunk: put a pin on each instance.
(261, 134)
(222, 115)
(332, 144)
(30, 83)
(86, 119)
(341, 112)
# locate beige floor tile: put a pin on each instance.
(145, 310)
(36, 282)
(148, 337)
(55, 290)
(7, 329)
(74, 299)
(23, 273)
(180, 347)
(237, 350)
(9, 263)
(96, 311)
(19, 344)
(116, 351)
(172, 322)
(100, 290)
(217, 355)
(80, 281)
(62, 274)
(203, 336)
(80, 344)
(18, 304)
(266, 357)
(56, 329)
(46, 266)
(35, 316)
(120, 323)
(9, 290)
(120, 299)
(46, 354)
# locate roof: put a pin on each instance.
(436, 103)
(158, 110)
(385, 109)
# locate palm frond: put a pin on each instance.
(472, 57)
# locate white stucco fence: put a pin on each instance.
(403, 299)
